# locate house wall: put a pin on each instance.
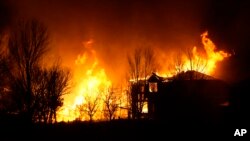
(192, 100)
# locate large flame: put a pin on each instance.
(192, 59)
(92, 86)
(91, 81)
(205, 63)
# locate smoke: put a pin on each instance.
(5, 15)
(119, 26)
(5, 21)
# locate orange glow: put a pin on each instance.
(145, 108)
(204, 62)
(91, 81)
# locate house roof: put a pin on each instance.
(155, 78)
(193, 75)
(188, 75)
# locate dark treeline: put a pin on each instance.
(29, 90)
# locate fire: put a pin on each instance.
(92, 84)
(90, 81)
(205, 63)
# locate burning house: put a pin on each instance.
(188, 95)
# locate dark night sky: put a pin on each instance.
(119, 25)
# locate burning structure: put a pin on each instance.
(189, 95)
(188, 90)
(94, 98)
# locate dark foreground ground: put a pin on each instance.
(179, 127)
(121, 130)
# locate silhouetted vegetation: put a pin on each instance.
(52, 84)
(111, 103)
(29, 90)
(90, 106)
(141, 63)
(4, 97)
(28, 43)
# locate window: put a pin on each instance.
(145, 107)
(140, 96)
(142, 89)
(153, 87)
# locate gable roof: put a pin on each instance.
(155, 78)
(192, 75)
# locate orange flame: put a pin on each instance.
(89, 80)
(91, 83)
(204, 62)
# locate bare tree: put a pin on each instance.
(111, 103)
(135, 73)
(49, 87)
(28, 43)
(196, 63)
(135, 65)
(178, 63)
(149, 62)
(5, 99)
(141, 64)
(57, 86)
(41, 108)
(190, 58)
(90, 106)
(3, 67)
(3, 83)
(128, 93)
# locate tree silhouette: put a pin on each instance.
(36, 90)
(40, 106)
(90, 106)
(178, 63)
(191, 62)
(141, 63)
(4, 99)
(111, 103)
(50, 85)
(28, 43)
(196, 63)
(57, 86)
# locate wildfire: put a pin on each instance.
(90, 81)
(92, 84)
(204, 62)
